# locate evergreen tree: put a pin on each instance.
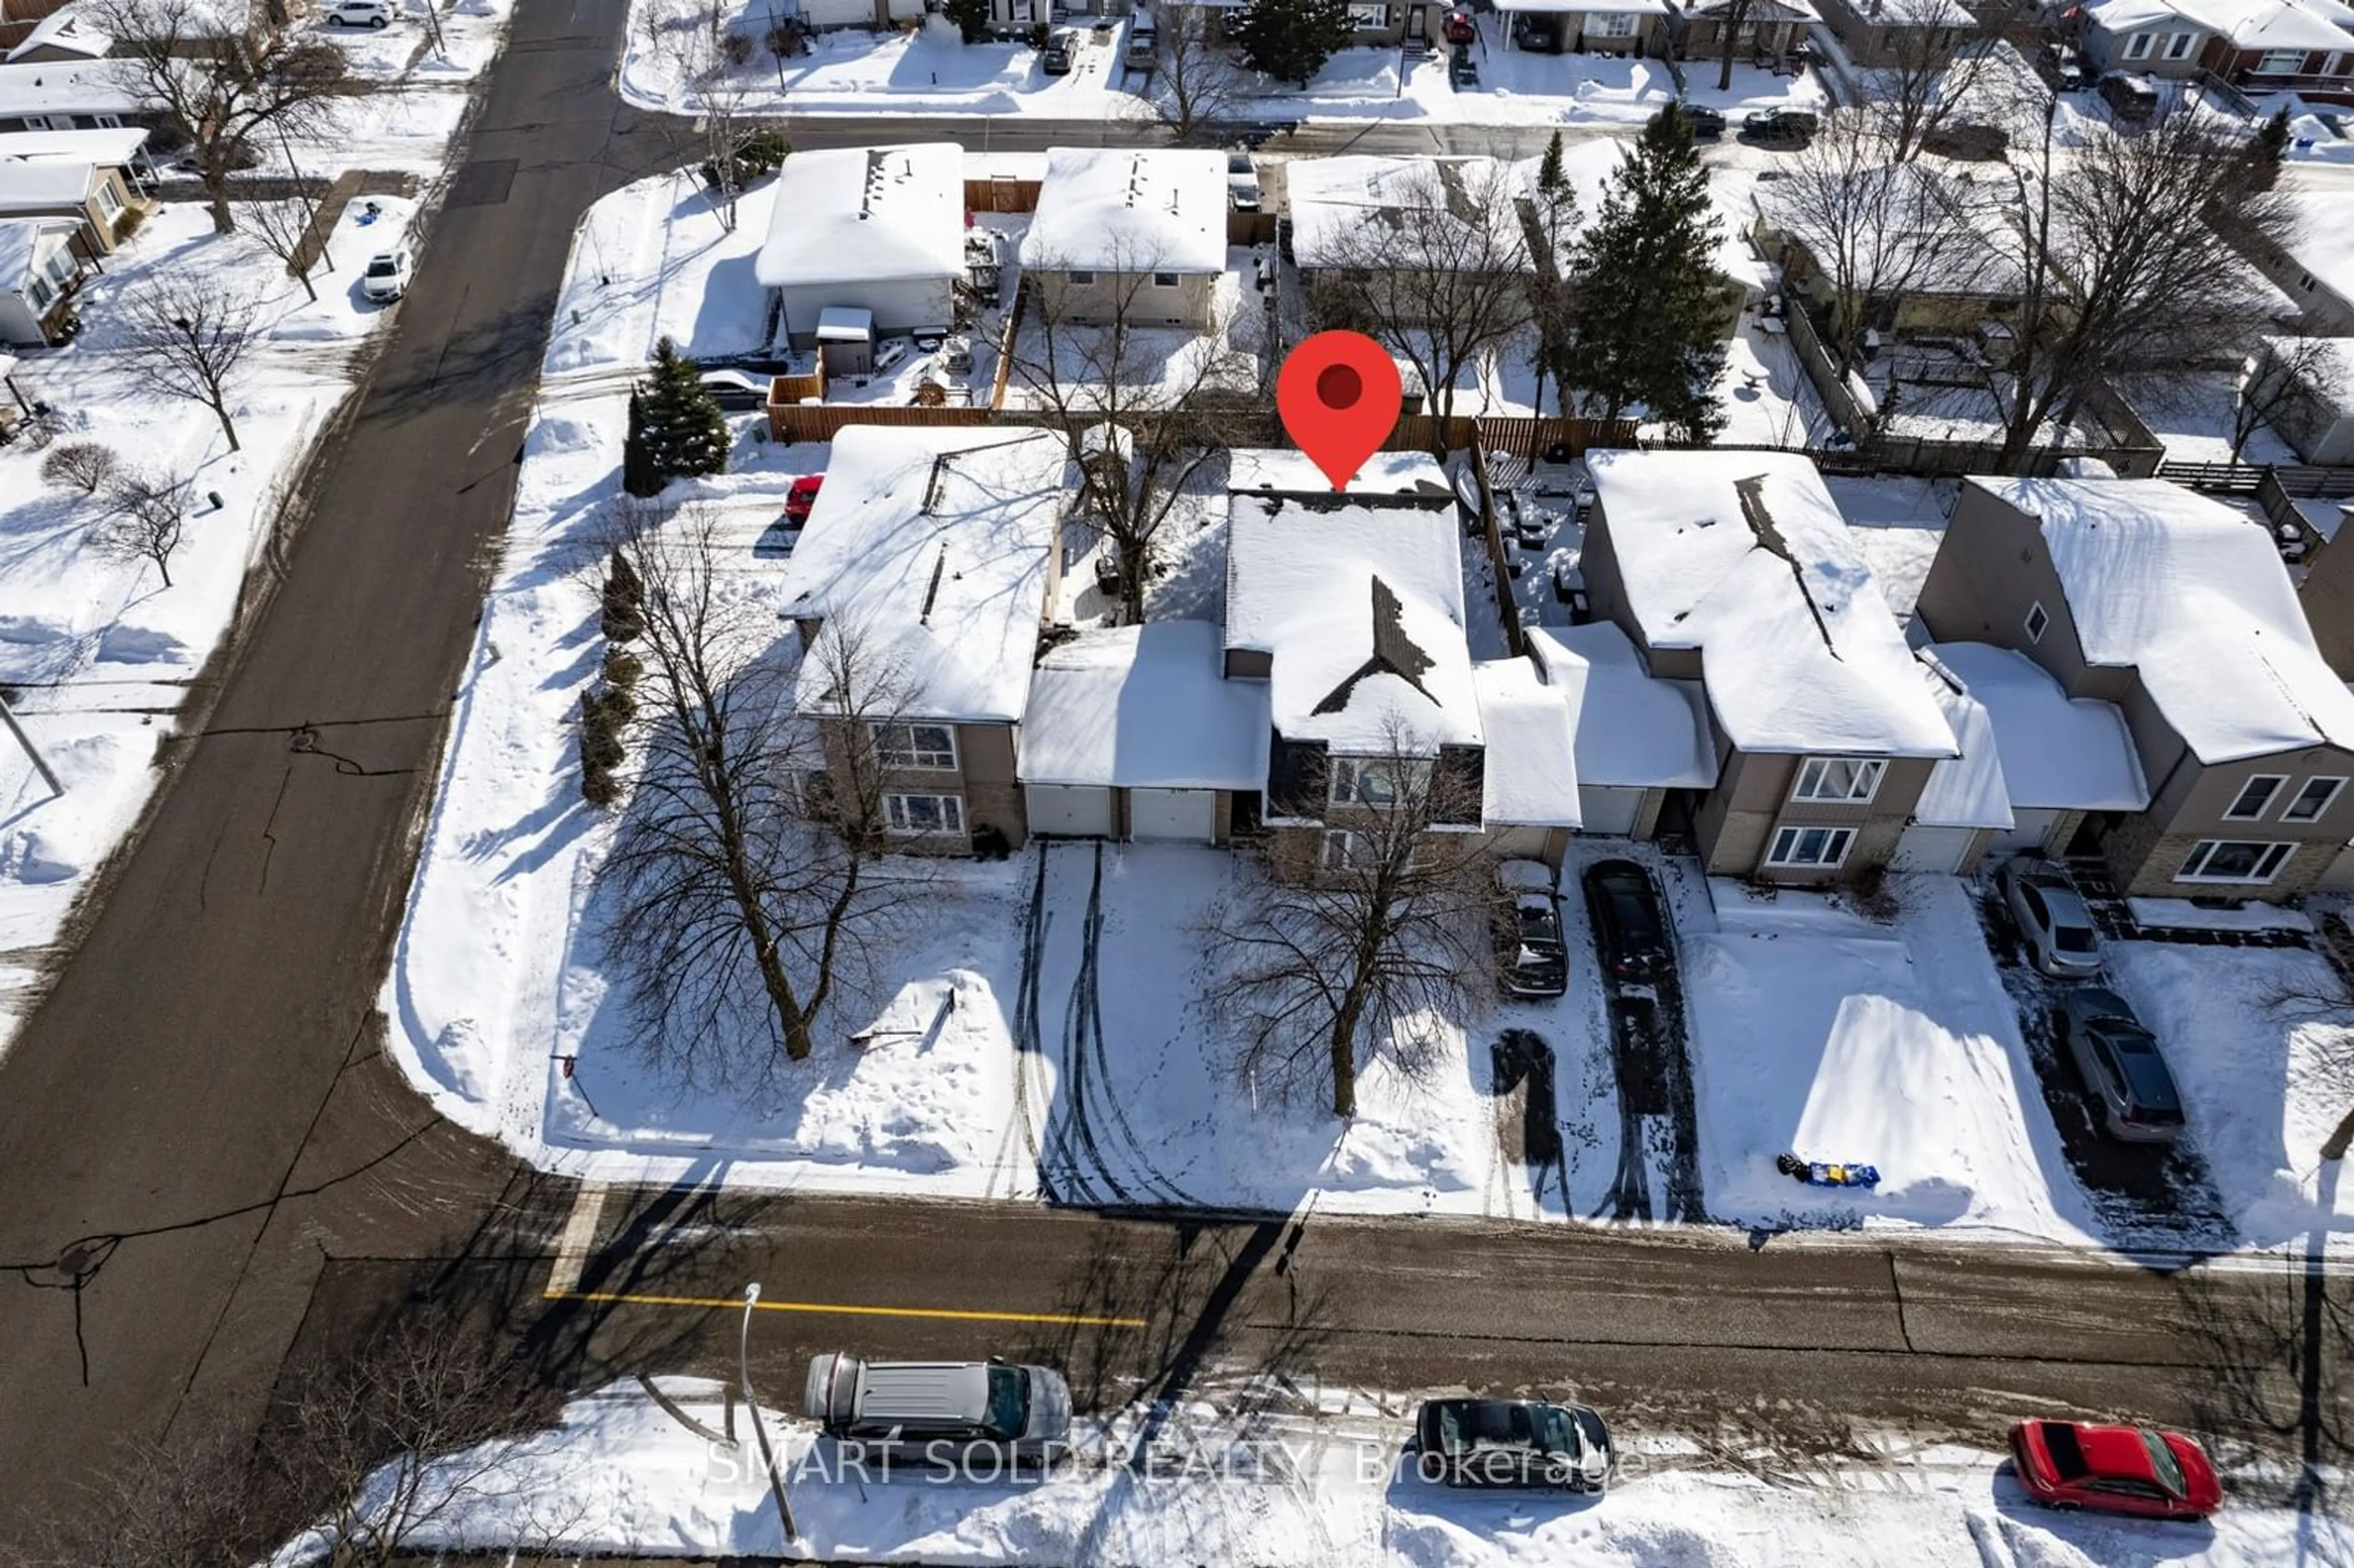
(1291, 39)
(679, 422)
(1651, 310)
(624, 600)
(1553, 218)
(1552, 177)
(638, 475)
(971, 17)
(2272, 138)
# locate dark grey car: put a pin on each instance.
(1513, 1442)
(2120, 1063)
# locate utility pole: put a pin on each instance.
(760, 1427)
(310, 209)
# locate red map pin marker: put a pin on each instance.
(1338, 394)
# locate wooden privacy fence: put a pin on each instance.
(1001, 193)
(822, 421)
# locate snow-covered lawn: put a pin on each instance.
(2192, 414)
(620, 1475)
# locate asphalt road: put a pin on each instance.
(205, 1160)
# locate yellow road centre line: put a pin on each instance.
(736, 1304)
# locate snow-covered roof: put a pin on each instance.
(1130, 209)
(1339, 205)
(1278, 471)
(2059, 752)
(2131, 16)
(1656, 7)
(1744, 557)
(1634, 730)
(2331, 360)
(110, 148)
(64, 30)
(866, 215)
(2324, 243)
(1927, 236)
(844, 323)
(1762, 10)
(1965, 791)
(932, 547)
(1144, 707)
(54, 87)
(2268, 24)
(1530, 768)
(43, 184)
(1360, 608)
(2193, 596)
(20, 246)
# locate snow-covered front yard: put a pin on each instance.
(1327, 1487)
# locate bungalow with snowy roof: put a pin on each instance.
(98, 195)
(927, 561)
(863, 243)
(2267, 45)
(1131, 236)
(65, 33)
(2175, 609)
(1904, 34)
(1735, 570)
(1762, 30)
(67, 95)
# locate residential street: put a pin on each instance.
(207, 1161)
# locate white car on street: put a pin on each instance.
(359, 14)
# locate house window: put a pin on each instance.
(2137, 46)
(1848, 780)
(41, 122)
(2178, 46)
(60, 266)
(2312, 799)
(1811, 846)
(929, 746)
(1078, 277)
(109, 202)
(1346, 850)
(2254, 796)
(1360, 781)
(1367, 17)
(2280, 62)
(2037, 619)
(1616, 25)
(2229, 859)
(38, 291)
(924, 813)
(1164, 279)
(108, 122)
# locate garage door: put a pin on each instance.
(1081, 811)
(1607, 810)
(2028, 829)
(1188, 814)
(1932, 849)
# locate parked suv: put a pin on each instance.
(1630, 928)
(936, 1411)
(2052, 917)
(1779, 127)
(360, 13)
(2131, 96)
(2119, 1061)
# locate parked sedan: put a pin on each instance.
(1529, 952)
(1242, 183)
(802, 497)
(2052, 916)
(1706, 123)
(2116, 1470)
(736, 391)
(1056, 59)
(1629, 927)
(2120, 1063)
(1512, 1442)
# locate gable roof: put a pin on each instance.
(1743, 556)
(1124, 209)
(1279, 471)
(66, 29)
(2323, 242)
(109, 148)
(1633, 729)
(1360, 611)
(866, 215)
(1144, 707)
(2057, 752)
(45, 185)
(1968, 790)
(2194, 598)
(932, 545)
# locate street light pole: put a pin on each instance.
(760, 1427)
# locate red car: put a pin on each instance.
(2116, 1470)
(802, 497)
(1458, 28)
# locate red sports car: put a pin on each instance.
(2117, 1469)
(1458, 28)
(802, 497)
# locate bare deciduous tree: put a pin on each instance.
(1933, 73)
(1438, 272)
(284, 230)
(1201, 81)
(190, 332)
(1362, 941)
(1878, 229)
(2125, 271)
(146, 517)
(1141, 407)
(84, 465)
(225, 88)
(184, 1501)
(748, 874)
(2294, 380)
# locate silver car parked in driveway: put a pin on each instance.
(2052, 917)
(2120, 1063)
